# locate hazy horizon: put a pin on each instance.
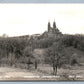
(27, 19)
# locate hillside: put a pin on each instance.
(71, 52)
(75, 53)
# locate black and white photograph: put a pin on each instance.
(41, 42)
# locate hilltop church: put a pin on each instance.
(52, 31)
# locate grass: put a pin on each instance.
(47, 70)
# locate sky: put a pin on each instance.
(26, 19)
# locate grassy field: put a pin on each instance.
(44, 70)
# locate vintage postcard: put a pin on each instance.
(41, 42)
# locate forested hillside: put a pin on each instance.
(55, 51)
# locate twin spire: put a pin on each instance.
(54, 24)
(49, 25)
(54, 29)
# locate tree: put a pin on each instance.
(35, 64)
(28, 54)
(55, 56)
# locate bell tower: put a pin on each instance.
(54, 25)
(49, 26)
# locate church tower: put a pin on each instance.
(49, 26)
(54, 25)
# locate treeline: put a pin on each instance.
(14, 50)
(77, 41)
(57, 54)
(20, 49)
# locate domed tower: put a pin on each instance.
(49, 26)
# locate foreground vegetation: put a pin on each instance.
(29, 51)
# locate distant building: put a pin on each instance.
(36, 35)
(52, 31)
(4, 35)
